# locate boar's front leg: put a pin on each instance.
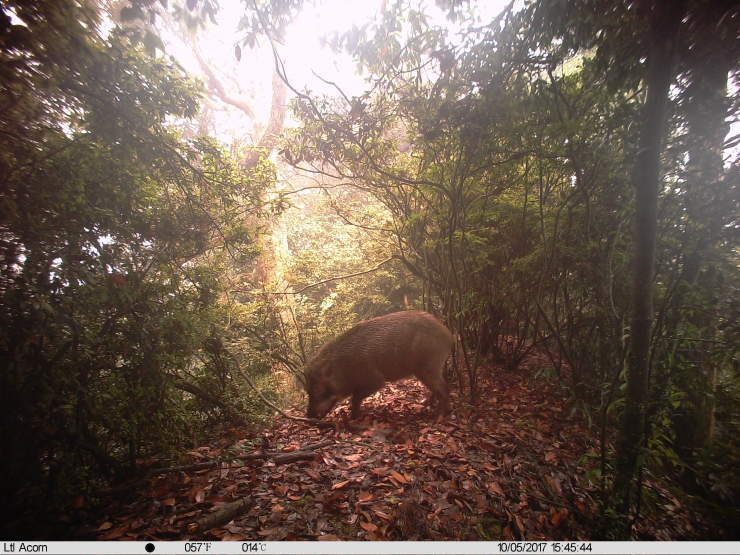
(371, 385)
(357, 397)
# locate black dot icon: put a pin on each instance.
(149, 548)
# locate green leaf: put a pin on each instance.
(132, 13)
(152, 42)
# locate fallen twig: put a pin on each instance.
(220, 517)
(304, 453)
(269, 454)
(151, 474)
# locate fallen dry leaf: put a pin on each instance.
(559, 517)
(519, 523)
(409, 479)
(369, 526)
(117, 533)
(398, 477)
(364, 497)
(496, 488)
(340, 485)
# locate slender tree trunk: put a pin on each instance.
(665, 24)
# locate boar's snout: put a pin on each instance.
(321, 399)
(311, 412)
(319, 409)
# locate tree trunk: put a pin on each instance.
(665, 23)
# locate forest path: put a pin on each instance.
(510, 468)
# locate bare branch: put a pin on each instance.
(264, 399)
(332, 279)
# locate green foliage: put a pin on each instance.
(505, 163)
(486, 176)
(114, 233)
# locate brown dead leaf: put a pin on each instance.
(559, 517)
(555, 484)
(196, 494)
(105, 526)
(117, 533)
(549, 456)
(519, 523)
(328, 538)
(398, 477)
(339, 485)
(496, 488)
(441, 505)
(364, 497)
(369, 526)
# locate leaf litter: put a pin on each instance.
(510, 468)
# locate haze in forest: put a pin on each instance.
(203, 204)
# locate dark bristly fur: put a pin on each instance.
(361, 360)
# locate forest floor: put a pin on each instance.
(511, 468)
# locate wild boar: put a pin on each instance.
(361, 360)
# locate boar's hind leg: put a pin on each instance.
(440, 391)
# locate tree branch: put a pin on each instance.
(328, 280)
